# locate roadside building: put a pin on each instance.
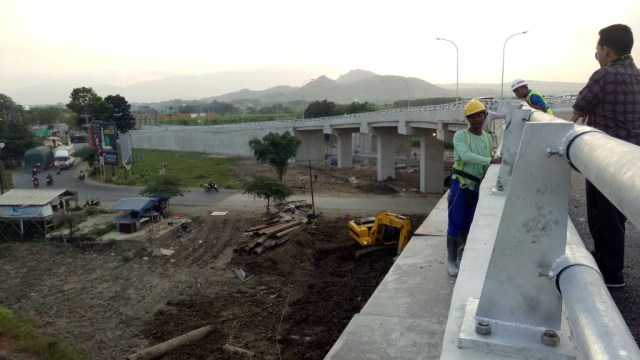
(28, 214)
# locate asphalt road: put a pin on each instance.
(109, 194)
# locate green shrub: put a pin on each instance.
(26, 339)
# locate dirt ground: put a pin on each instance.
(117, 298)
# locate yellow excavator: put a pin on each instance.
(380, 232)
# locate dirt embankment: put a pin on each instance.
(295, 302)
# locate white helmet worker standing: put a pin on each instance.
(521, 89)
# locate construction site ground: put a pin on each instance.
(293, 301)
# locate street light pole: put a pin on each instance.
(407, 83)
(503, 48)
(457, 62)
(302, 89)
(242, 118)
(1, 167)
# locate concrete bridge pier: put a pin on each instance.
(386, 154)
(344, 147)
(431, 163)
(312, 147)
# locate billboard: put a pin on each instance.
(103, 137)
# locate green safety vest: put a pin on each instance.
(459, 164)
(531, 93)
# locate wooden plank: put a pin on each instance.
(287, 231)
(280, 227)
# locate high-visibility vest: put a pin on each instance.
(459, 164)
(531, 93)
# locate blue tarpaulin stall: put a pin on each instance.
(139, 210)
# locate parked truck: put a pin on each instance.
(63, 157)
(39, 158)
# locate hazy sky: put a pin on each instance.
(121, 42)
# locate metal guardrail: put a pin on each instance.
(535, 247)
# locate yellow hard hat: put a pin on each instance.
(474, 106)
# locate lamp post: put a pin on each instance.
(302, 89)
(503, 48)
(1, 166)
(457, 62)
(242, 118)
(407, 83)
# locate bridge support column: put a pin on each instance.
(386, 166)
(431, 163)
(312, 147)
(345, 152)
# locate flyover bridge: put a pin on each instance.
(383, 133)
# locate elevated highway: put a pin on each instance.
(383, 133)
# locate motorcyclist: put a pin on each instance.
(210, 184)
(49, 178)
(35, 180)
(81, 176)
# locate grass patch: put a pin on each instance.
(195, 168)
(99, 231)
(26, 339)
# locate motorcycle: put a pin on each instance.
(36, 181)
(49, 180)
(91, 202)
(210, 187)
(81, 176)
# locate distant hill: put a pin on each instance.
(356, 85)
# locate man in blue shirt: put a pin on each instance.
(534, 99)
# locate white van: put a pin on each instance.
(62, 157)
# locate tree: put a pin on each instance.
(45, 115)
(18, 138)
(85, 101)
(268, 188)
(8, 105)
(120, 113)
(320, 109)
(276, 150)
(222, 108)
(165, 186)
(86, 154)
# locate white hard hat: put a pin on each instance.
(516, 83)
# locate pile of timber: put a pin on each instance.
(276, 230)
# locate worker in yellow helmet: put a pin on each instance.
(472, 153)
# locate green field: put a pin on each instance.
(195, 168)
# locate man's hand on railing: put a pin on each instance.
(577, 115)
(497, 160)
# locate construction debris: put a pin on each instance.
(289, 219)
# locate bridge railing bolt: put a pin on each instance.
(483, 327)
(550, 338)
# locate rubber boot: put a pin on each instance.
(452, 255)
(462, 241)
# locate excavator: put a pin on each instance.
(380, 232)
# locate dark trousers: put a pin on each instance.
(462, 208)
(606, 224)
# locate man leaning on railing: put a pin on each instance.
(610, 102)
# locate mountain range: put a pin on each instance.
(356, 85)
